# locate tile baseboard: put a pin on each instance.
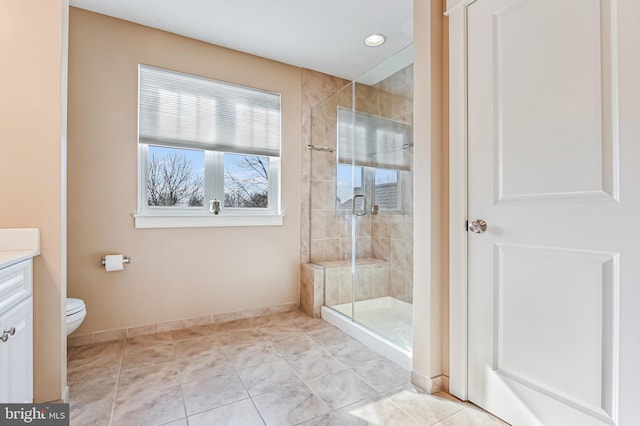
(122, 333)
(430, 384)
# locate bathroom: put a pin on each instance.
(370, 206)
(191, 294)
(179, 277)
(533, 132)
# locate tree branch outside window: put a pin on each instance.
(171, 181)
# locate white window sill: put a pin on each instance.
(174, 221)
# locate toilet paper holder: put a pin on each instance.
(125, 259)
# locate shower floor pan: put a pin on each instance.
(384, 324)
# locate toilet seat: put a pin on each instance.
(76, 311)
(74, 306)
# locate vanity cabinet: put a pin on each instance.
(16, 333)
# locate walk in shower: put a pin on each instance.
(361, 206)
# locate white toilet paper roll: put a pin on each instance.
(113, 262)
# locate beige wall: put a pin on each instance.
(32, 119)
(174, 273)
(430, 220)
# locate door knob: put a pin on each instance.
(478, 226)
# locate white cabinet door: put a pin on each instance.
(554, 166)
(16, 354)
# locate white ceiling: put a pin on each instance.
(322, 35)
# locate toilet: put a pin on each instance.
(76, 311)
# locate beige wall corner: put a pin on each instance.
(32, 167)
(175, 273)
(430, 221)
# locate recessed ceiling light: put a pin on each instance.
(375, 40)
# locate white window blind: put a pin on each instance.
(181, 110)
(367, 140)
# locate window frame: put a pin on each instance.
(168, 216)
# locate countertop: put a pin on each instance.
(8, 258)
(17, 245)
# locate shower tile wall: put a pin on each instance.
(316, 87)
(311, 288)
(384, 237)
(330, 231)
(392, 241)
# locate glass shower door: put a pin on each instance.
(350, 206)
(350, 176)
(331, 202)
(374, 153)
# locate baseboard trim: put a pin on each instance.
(122, 333)
(430, 384)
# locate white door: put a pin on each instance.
(554, 170)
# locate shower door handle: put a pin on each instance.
(362, 211)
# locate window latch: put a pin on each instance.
(214, 206)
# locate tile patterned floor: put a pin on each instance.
(285, 369)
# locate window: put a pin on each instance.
(349, 183)
(389, 189)
(375, 154)
(209, 152)
(386, 189)
(246, 181)
(175, 177)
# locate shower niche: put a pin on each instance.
(361, 227)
